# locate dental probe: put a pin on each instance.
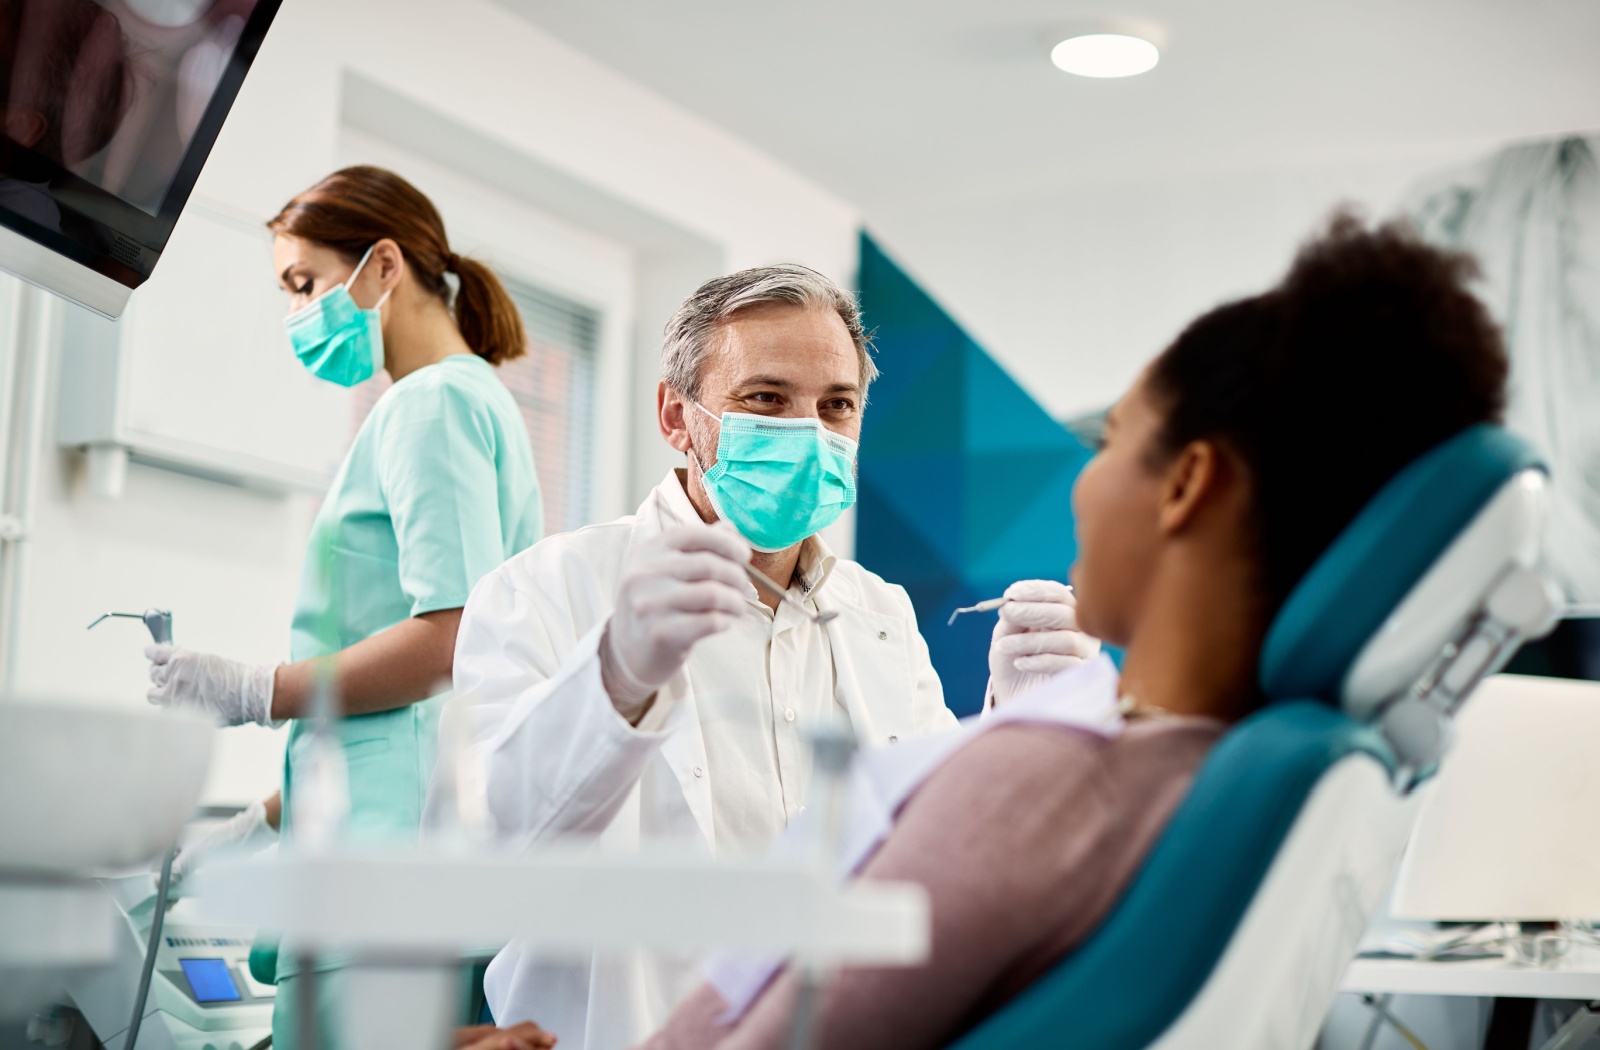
(984, 606)
(767, 583)
(989, 605)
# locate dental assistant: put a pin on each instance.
(438, 489)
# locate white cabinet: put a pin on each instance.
(198, 375)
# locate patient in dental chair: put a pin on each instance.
(1236, 457)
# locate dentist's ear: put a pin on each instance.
(672, 417)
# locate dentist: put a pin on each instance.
(627, 681)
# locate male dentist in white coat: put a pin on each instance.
(627, 681)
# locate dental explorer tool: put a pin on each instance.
(990, 605)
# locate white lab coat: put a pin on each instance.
(559, 760)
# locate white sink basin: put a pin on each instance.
(83, 789)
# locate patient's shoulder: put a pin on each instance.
(1153, 747)
(1061, 775)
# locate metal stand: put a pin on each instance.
(832, 749)
(1379, 1005)
(1575, 1034)
(1579, 1029)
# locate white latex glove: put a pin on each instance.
(684, 585)
(244, 832)
(231, 692)
(1037, 637)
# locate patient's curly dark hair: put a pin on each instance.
(1371, 351)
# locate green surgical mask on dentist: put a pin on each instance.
(779, 480)
(334, 338)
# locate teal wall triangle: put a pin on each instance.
(927, 494)
(1000, 489)
(1004, 417)
(914, 415)
(1039, 540)
(965, 480)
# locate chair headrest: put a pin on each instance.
(1396, 588)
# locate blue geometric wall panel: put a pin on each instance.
(965, 481)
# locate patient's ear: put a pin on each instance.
(1193, 478)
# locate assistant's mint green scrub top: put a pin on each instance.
(437, 491)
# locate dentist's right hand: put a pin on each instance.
(684, 585)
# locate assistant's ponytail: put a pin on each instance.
(354, 208)
(487, 317)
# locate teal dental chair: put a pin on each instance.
(1238, 927)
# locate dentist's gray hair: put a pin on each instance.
(691, 333)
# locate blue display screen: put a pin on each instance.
(210, 980)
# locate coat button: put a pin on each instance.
(883, 636)
(699, 772)
(894, 740)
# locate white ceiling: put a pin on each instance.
(897, 104)
(1073, 226)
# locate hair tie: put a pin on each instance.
(451, 261)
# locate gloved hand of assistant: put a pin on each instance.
(1037, 637)
(683, 586)
(244, 832)
(231, 692)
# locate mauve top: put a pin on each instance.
(1024, 840)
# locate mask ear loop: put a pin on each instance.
(357, 273)
(701, 467)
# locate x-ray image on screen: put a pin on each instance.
(108, 109)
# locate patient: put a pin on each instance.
(1234, 460)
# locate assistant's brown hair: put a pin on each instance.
(354, 208)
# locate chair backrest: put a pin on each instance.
(1428, 590)
(1238, 925)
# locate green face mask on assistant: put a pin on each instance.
(336, 339)
(778, 480)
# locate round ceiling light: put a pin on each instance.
(1105, 55)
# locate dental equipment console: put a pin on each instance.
(199, 993)
(194, 975)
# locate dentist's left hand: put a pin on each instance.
(1037, 637)
(231, 692)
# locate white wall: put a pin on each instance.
(676, 195)
(1074, 288)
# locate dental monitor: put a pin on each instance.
(108, 110)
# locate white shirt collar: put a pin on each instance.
(671, 498)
